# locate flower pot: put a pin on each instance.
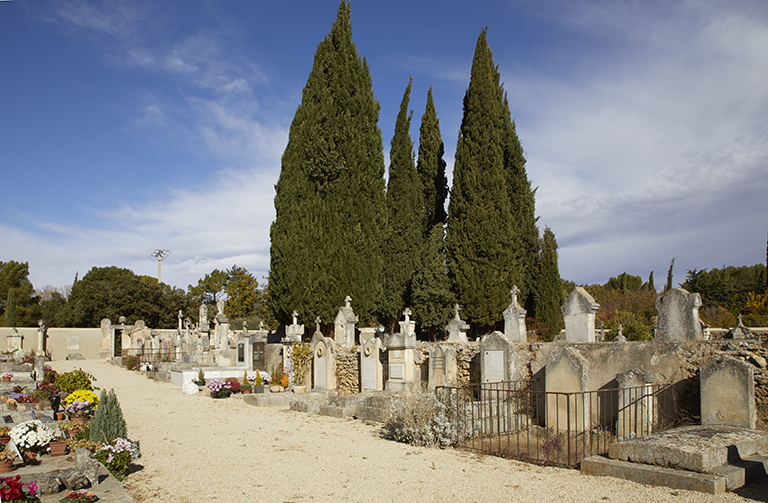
(246, 392)
(4, 440)
(72, 433)
(299, 389)
(260, 389)
(60, 416)
(6, 379)
(6, 466)
(275, 389)
(58, 448)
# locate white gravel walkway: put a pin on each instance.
(197, 449)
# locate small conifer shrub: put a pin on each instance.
(108, 422)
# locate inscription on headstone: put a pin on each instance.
(368, 373)
(73, 343)
(397, 371)
(495, 366)
(322, 380)
(258, 356)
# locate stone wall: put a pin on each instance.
(347, 370)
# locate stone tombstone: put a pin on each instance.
(40, 337)
(371, 370)
(206, 341)
(39, 368)
(567, 372)
(243, 348)
(344, 325)
(494, 357)
(294, 331)
(367, 333)
(637, 414)
(678, 316)
(514, 319)
(728, 393)
(457, 329)
(324, 363)
(739, 331)
(407, 326)
(400, 354)
(106, 339)
(258, 355)
(579, 312)
(14, 340)
(443, 369)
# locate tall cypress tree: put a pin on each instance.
(329, 202)
(431, 167)
(10, 309)
(480, 243)
(405, 210)
(432, 299)
(550, 295)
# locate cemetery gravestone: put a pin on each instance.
(728, 393)
(678, 316)
(442, 366)
(579, 313)
(344, 325)
(324, 363)
(514, 319)
(636, 415)
(400, 349)
(457, 329)
(371, 371)
(565, 373)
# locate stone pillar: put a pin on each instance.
(636, 414)
(40, 338)
(107, 338)
(400, 349)
(579, 312)
(678, 316)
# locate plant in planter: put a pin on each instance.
(58, 446)
(12, 403)
(7, 459)
(108, 421)
(302, 362)
(83, 444)
(79, 411)
(276, 379)
(5, 434)
(200, 378)
(7, 376)
(219, 389)
(12, 489)
(32, 436)
(116, 456)
(82, 396)
(234, 385)
(82, 496)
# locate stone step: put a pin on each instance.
(728, 477)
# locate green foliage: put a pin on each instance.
(116, 457)
(243, 294)
(405, 212)
(489, 243)
(111, 292)
(209, 289)
(728, 287)
(432, 298)
(131, 362)
(302, 362)
(108, 422)
(326, 240)
(651, 286)
(201, 376)
(550, 295)
(635, 326)
(625, 282)
(670, 276)
(15, 285)
(78, 379)
(431, 168)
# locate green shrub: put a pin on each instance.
(131, 362)
(302, 362)
(108, 422)
(75, 380)
(422, 419)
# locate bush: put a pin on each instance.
(82, 396)
(75, 380)
(234, 385)
(421, 419)
(116, 456)
(302, 362)
(131, 362)
(108, 422)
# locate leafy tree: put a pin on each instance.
(210, 288)
(329, 200)
(729, 288)
(14, 278)
(243, 294)
(431, 168)
(625, 282)
(550, 287)
(405, 211)
(432, 299)
(481, 239)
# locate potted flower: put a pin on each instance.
(79, 411)
(12, 489)
(70, 429)
(7, 458)
(81, 496)
(200, 378)
(5, 434)
(219, 389)
(7, 376)
(276, 379)
(32, 436)
(246, 387)
(116, 456)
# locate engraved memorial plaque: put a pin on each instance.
(494, 363)
(258, 356)
(322, 378)
(396, 372)
(368, 370)
(73, 343)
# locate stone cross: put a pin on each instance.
(407, 313)
(261, 325)
(317, 324)
(294, 315)
(514, 292)
(347, 301)
(456, 309)
(220, 306)
(180, 320)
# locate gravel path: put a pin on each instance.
(196, 449)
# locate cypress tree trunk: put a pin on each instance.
(481, 238)
(329, 203)
(405, 211)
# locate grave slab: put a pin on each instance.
(695, 448)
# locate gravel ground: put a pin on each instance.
(195, 449)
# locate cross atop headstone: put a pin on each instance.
(347, 301)
(295, 315)
(456, 310)
(317, 323)
(261, 325)
(407, 313)
(514, 292)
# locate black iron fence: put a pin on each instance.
(553, 428)
(152, 356)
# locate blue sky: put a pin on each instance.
(132, 126)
